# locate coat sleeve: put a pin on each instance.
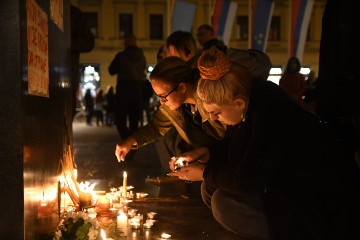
(154, 130)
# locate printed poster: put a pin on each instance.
(37, 38)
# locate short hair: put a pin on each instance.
(130, 40)
(233, 84)
(174, 70)
(288, 65)
(183, 42)
(206, 27)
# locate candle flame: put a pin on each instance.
(125, 174)
(103, 235)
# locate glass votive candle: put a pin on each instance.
(134, 220)
(85, 200)
(150, 221)
(134, 225)
(151, 215)
(147, 225)
(139, 216)
(132, 212)
(102, 204)
(114, 211)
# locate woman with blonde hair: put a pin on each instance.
(277, 174)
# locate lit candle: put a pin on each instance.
(85, 200)
(125, 184)
(103, 235)
(102, 204)
(165, 235)
(122, 222)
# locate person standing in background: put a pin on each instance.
(129, 65)
(109, 106)
(89, 106)
(293, 82)
(99, 107)
(206, 38)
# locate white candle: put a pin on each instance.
(122, 222)
(103, 235)
(125, 184)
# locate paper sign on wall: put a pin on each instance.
(37, 38)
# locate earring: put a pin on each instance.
(242, 117)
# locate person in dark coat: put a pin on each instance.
(206, 38)
(89, 106)
(110, 105)
(278, 173)
(129, 65)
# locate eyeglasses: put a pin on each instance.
(164, 98)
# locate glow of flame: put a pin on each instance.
(165, 235)
(103, 235)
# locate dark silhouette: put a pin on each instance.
(109, 106)
(206, 38)
(89, 106)
(310, 93)
(338, 84)
(129, 65)
(99, 107)
(82, 41)
(292, 81)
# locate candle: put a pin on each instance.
(151, 215)
(103, 235)
(122, 222)
(147, 225)
(125, 184)
(85, 200)
(102, 204)
(135, 225)
(165, 235)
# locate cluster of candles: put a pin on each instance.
(114, 205)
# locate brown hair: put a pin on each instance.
(233, 82)
(174, 70)
(183, 42)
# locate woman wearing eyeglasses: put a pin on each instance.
(174, 81)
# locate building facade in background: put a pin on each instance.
(150, 21)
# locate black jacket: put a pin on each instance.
(129, 65)
(284, 154)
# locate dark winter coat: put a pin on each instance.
(285, 155)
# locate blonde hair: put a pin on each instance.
(233, 83)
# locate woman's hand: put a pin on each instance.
(123, 148)
(200, 154)
(191, 172)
